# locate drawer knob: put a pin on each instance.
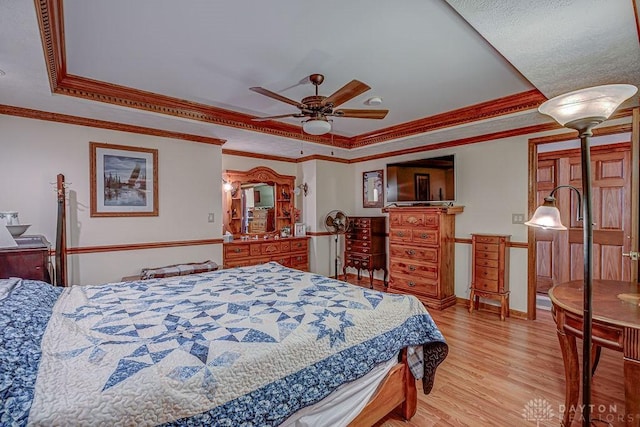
(411, 252)
(412, 284)
(423, 235)
(412, 268)
(400, 234)
(236, 250)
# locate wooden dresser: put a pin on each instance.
(291, 252)
(365, 246)
(421, 253)
(29, 260)
(490, 273)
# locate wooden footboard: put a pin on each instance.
(397, 391)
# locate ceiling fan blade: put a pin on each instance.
(361, 114)
(346, 92)
(267, 92)
(262, 119)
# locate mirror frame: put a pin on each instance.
(378, 176)
(284, 209)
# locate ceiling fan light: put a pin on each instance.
(316, 126)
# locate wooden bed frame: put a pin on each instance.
(397, 392)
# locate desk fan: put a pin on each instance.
(336, 222)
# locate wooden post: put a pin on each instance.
(61, 235)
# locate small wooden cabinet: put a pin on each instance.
(421, 253)
(364, 247)
(291, 252)
(29, 260)
(490, 270)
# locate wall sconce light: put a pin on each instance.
(229, 188)
(304, 188)
(582, 110)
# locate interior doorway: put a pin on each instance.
(556, 257)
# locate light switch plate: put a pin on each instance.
(211, 217)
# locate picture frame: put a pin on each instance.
(299, 229)
(373, 189)
(123, 180)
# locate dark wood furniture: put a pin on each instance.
(421, 253)
(235, 214)
(616, 325)
(291, 252)
(490, 270)
(365, 246)
(29, 260)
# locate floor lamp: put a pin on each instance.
(582, 110)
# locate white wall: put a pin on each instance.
(330, 187)
(33, 152)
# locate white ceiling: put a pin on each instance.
(423, 57)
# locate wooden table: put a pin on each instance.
(616, 325)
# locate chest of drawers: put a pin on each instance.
(365, 246)
(421, 253)
(490, 270)
(291, 252)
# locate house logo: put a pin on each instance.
(537, 410)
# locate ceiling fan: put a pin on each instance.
(317, 107)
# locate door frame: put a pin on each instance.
(634, 128)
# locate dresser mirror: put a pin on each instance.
(257, 202)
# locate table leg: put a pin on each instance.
(571, 375)
(471, 298)
(371, 279)
(595, 357)
(632, 391)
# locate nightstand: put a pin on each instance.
(28, 260)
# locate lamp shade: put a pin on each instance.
(597, 103)
(547, 216)
(316, 126)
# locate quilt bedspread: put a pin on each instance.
(247, 346)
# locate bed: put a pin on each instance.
(264, 345)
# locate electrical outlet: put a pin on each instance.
(211, 217)
(517, 218)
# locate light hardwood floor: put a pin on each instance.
(498, 372)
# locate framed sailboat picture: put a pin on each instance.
(124, 180)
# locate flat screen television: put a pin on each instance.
(424, 181)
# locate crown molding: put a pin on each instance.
(485, 110)
(51, 21)
(102, 124)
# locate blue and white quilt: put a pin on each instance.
(246, 346)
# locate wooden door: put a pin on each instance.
(560, 254)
